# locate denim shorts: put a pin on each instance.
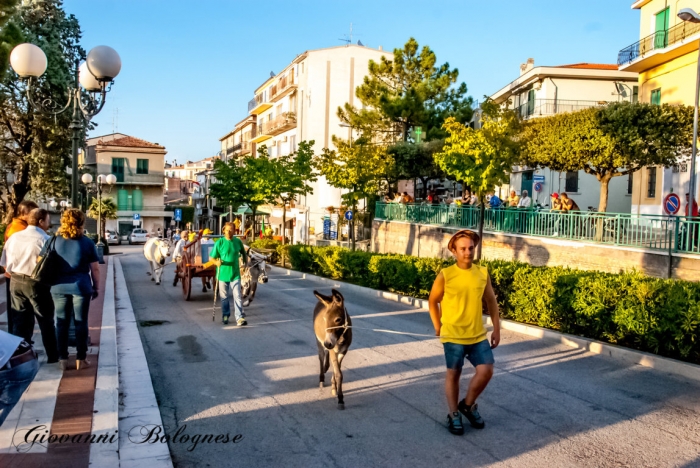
(477, 353)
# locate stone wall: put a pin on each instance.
(431, 241)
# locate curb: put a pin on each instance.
(105, 418)
(138, 406)
(619, 353)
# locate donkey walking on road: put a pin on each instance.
(333, 329)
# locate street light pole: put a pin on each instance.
(690, 16)
(87, 93)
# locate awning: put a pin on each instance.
(245, 210)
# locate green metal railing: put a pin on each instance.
(667, 233)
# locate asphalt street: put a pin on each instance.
(547, 405)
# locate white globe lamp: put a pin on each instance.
(28, 60)
(111, 179)
(104, 63)
(86, 178)
(88, 81)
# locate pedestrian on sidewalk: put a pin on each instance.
(178, 252)
(29, 297)
(19, 223)
(18, 367)
(456, 311)
(78, 284)
(226, 253)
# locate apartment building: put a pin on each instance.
(300, 103)
(139, 168)
(665, 57)
(238, 142)
(541, 91)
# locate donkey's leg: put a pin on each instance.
(337, 378)
(150, 264)
(323, 360)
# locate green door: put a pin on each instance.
(530, 102)
(661, 30)
(526, 182)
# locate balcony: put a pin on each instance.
(259, 104)
(545, 107)
(281, 123)
(283, 87)
(156, 178)
(659, 47)
(246, 147)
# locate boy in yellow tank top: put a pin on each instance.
(456, 311)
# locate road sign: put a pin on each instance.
(348, 215)
(538, 187)
(178, 214)
(137, 216)
(417, 133)
(672, 203)
(538, 178)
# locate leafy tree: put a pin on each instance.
(249, 181)
(482, 158)
(35, 148)
(10, 34)
(416, 161)
(407, 92)
(293, 175)
(610, 141)
(107, 210)
(359, 168)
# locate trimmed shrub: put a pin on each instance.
(630, 309)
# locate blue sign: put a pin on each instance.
(538, 178)
(672, 203)
(538, 187)
(348, 215)
(178, 214)
(137, 216)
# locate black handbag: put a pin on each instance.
(47, 263)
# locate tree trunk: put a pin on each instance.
(424, 181)
(481, 228)
(284, 221)
(254, 208)
(604, 186)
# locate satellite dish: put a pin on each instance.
(360, 43)
(272, 74)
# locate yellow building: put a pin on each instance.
(666, 57)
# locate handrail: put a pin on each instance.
(656, 41)
(680, 234)
(553, 106)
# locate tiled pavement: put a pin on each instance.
(82, 404)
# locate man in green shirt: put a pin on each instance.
(226, 254)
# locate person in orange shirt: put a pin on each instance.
(19, 223)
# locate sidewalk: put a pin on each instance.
(71, 419)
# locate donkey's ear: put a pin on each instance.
(337, 296)
(323, 298)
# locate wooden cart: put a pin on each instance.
(191, 266)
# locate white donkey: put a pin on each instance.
(156, 251)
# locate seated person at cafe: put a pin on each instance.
(512, 200)
(568, 204)
(525, 201)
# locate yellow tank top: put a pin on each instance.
(461, 305)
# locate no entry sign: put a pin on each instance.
(672, 203)
(538, 187)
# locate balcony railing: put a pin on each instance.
(259, 103)
(543, 107)
(654, 232)
(658, 40)
(246, 146)
(279, 124)
(285, 84)
(155, 178)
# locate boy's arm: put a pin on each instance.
(215, 255)
(492, 305)
(436, 294)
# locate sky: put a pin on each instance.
(189, 68)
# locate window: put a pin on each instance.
(630, 184)
(292, 143)
(651, 182)
(571, 182)
(142, 166)
(118, 168)
(635, 93)
(661, 29)
(531, 102)
(656, 96)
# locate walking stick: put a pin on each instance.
(216, 289)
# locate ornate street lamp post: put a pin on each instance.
(690, 16)
(96, 75)
(110, 180)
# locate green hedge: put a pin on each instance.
(629, 309)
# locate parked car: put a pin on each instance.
(138, 236)
(113, 238)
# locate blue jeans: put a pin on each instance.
(77, 306)
(477, 353)
(231, 290)
(13, 383)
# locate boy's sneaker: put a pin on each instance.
(472, 414)
(454, 423)
(225, 320)
(241, 322)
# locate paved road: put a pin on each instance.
(547, 405)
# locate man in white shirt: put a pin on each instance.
(29, 297)
(525, 201)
